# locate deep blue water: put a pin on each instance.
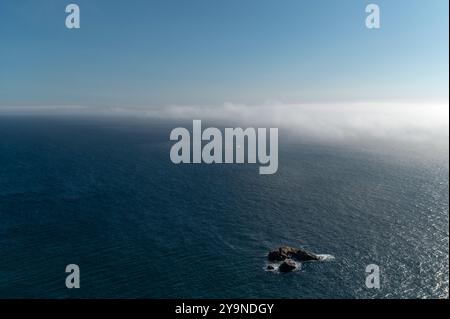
(103, 194)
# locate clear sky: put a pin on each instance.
(189, 52)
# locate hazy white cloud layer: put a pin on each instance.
(398, 121)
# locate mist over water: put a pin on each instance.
(352, 122)
(100, 191)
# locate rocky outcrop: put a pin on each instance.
(287, 266)
(298, 254)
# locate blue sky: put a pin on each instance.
(200, 52)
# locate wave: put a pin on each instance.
(325, 257)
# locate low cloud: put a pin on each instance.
(400, 121)
(424, 123)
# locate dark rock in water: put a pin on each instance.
(287, 266)
(304, 255)
(275, 256)
(270, 267)
(286, 252)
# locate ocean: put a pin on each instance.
(102, 193)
